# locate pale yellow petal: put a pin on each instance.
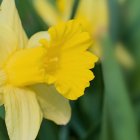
(48, 13)
(96, 49)
(68, 62)
(23, 115)
(35, 40)
(9, 17)
(93, 15)
(65, 8)
(54, 106)
(53, 14)
(8, 43)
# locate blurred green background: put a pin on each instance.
(110, 108)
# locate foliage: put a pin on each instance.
(110, 108)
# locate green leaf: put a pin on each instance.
(3, 130)
(48, 131)
(32, 23)
(2, 112)
(117, 103)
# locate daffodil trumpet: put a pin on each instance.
(39, 75)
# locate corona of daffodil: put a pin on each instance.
(39, 75)
(67, 63)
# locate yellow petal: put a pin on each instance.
(65, 8)
(48, 13)
(51, 14)
(69, 35)
(54, 106)
(68, 62)
(9, 17)
(93, 15)
(74, 74)
(8, 43)
(23, 115)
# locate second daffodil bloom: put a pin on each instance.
(93, 15)
(39, 75)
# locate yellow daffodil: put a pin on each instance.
(38, 74)
(68, 62)
(20, 67)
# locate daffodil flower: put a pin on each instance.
(20, 67)
(39, 74)
(68, 62)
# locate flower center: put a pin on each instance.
(51, 64)
(52, 57)
(52, 60)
